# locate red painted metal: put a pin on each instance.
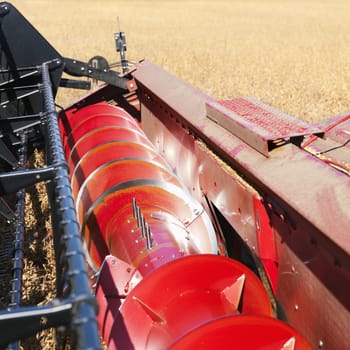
(334, 146)
(245, 332)
(74, 124)
(266, 243)
(159, 283)
(306, 201)
(100, 161)
(183, 295)
(257, 124)
(336, 128)
(276, 124)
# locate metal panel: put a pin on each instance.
(203, 173)
(258, 125)
(304, 198)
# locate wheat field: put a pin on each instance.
(291, 54)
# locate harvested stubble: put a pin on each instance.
(291, 54)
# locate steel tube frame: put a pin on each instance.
(71, 268)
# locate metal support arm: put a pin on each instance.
(13, 181)
(83, 69)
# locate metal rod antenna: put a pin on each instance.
(118, 24)
(120, 43)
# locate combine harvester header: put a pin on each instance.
(179, 221)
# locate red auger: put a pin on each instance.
(161, 284)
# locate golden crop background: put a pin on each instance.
(291, 54)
